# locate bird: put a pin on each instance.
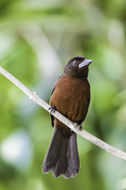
(71, 97)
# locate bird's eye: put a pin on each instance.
(75, 62)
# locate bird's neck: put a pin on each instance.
(80, 74)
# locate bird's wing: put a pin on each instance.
(52, 117)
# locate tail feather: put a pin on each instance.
(62, 156)
(73, 163)
(61, 164)
(53, 151)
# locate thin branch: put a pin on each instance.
(34, 97)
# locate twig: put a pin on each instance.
(34, 97)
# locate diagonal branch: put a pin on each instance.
(35, 98)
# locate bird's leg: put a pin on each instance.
(78, 126)
(52, 109)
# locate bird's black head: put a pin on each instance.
(77, 67)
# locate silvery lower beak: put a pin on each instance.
(85, 62)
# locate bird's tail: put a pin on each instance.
(62, 156)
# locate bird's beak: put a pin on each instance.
(85, 62)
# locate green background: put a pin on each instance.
(37, 38)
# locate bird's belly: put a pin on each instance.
(75, 108)
(70, 99)
(72, 105)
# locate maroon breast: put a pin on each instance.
(71, 97)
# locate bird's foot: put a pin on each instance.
(78, 126)
(52, 109)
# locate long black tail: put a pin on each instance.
(62, 156)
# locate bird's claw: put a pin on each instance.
(52, 109)
(80, 128)
(76, 125)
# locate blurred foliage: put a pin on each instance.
(36, 39)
